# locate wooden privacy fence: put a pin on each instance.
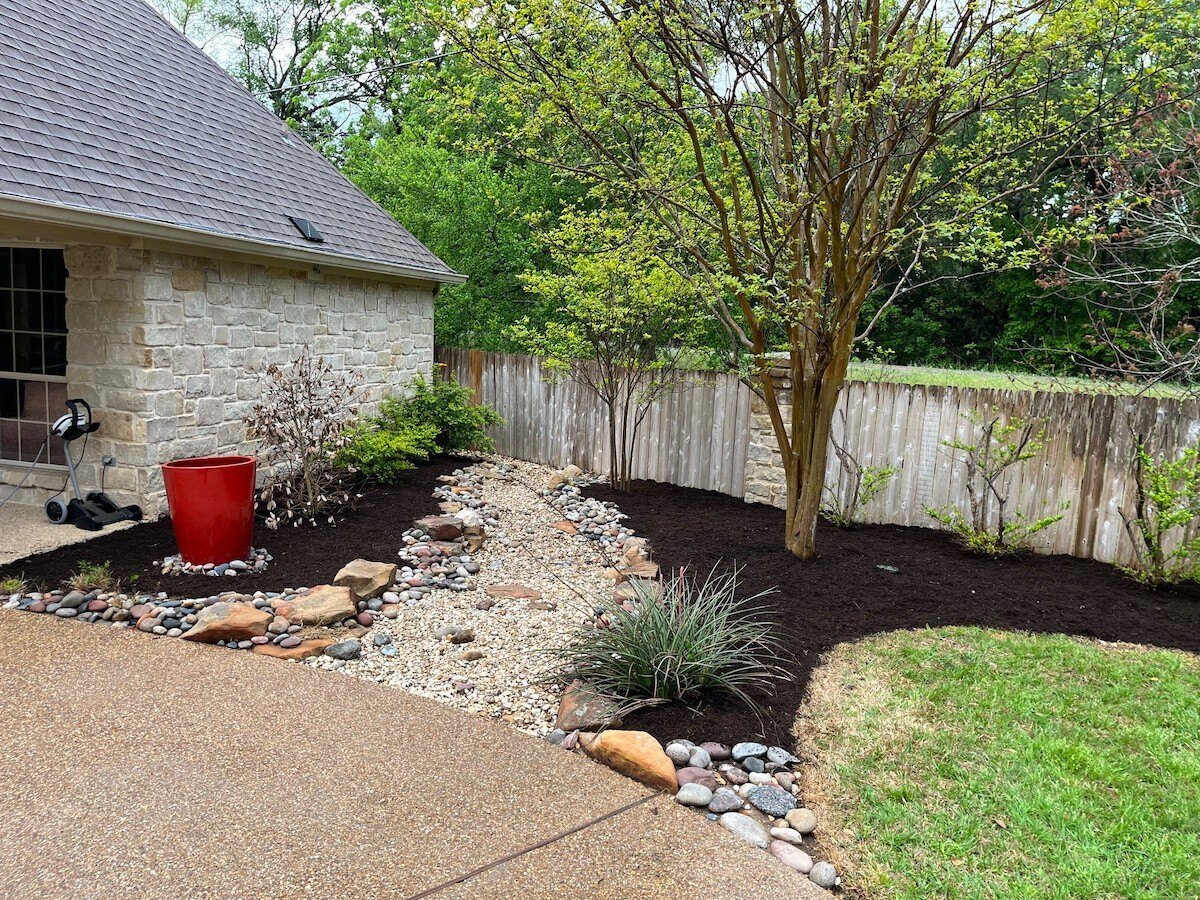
(695, 437)
(713, 435)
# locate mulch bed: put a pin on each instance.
(843, 595)
(303, 557)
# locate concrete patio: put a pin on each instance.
(138, 767)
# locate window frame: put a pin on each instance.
(5, 461)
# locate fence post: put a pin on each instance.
(475, 375)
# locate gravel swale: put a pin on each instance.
(503, 672)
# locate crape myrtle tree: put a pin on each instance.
(792, 151)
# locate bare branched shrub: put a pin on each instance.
(991, 527)
(302, 421)
(863, 484)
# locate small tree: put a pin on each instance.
(624, 318)
(992, 528)
(303, 422)
(863, 484)
(1166, 508)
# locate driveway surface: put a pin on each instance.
(135, 766)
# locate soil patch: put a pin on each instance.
(843, 595)
(303, 556)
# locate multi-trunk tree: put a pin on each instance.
(791, 153)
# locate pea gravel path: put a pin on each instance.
(138, 767)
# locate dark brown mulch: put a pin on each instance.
(844, 596)
(303, 556)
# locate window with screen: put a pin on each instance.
(33, 351)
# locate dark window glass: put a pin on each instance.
(54, 314)
(55, 359)
(27, 310)
(54, 273)
(33, 343)
(27, 267)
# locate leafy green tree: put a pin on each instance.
(794, 152)
(622, 318)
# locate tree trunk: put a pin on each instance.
(814, 402)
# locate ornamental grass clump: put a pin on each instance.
(696, 639)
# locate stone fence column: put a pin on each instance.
(764, 463)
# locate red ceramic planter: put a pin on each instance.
(212, 507)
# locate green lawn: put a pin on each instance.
(966, 763)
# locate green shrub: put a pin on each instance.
(383, 451)
(437, 417)
(1161, 524)
(446, 404)
(696, 639)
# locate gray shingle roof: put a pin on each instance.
(107, 109)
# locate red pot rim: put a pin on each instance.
(209, 462)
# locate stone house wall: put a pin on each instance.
(171, 349)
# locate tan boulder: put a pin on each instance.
(225, 621)
(303, 650)
(441, 528)
(582, 709)
(366, 579)
(632, 753)
(322, 605)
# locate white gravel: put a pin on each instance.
(510, 681)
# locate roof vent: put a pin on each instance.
(306, 228)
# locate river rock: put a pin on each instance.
(724, 800)
(792, 857)
(694, 795)
(824, 875)
(773, 801)
(746, 828)
(746, 750)
(696, 775)
(348, 649)
(803, 820)
(679, 753)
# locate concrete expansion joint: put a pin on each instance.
(546, 842)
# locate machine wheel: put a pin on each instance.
(57, 511)
(136, 512)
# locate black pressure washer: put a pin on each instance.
(95, 510)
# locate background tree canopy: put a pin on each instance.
(418, 125)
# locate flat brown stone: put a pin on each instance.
(513, 592)
(226, 621)
(322, 605)
(303, 650)
(582, 709)
(565, 526)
